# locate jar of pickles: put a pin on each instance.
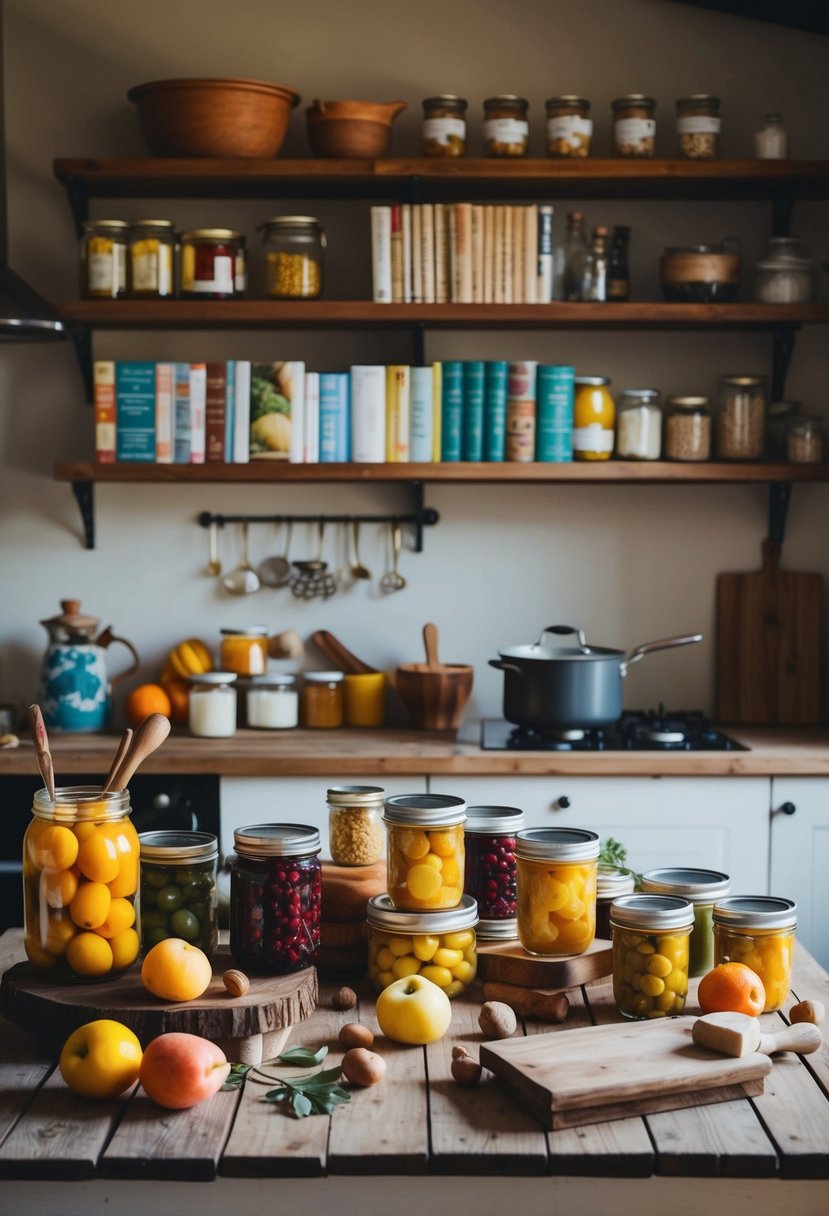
(355, 824)
(104, 259)
(294, 247)
(650, 935)
(506, 125)
(489, 872)
(556, 881)
(634, 125)
(569, 126)
(213, 264)
(152, 251)
(275, 897)
(80, 880)
(323, 704)
(443, 130)
(758, 930)
(702, 888)
(179, 896)
(425, 850)
(440, 946)
(245, 651)
(611, 882)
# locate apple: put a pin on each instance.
(100, 1059)
(414, 1010)
(178, 1070)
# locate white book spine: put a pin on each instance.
(531, 253)
(241, 413)
(297, 455)
(544, 289)
(417, 254)
(407, 253)
(381, 254)
(368, 414)
(442, 292)
(198, 403)
(312, 418)
(420, 447)
(427, 252)
(477, 252)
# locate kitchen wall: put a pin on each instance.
(627, 564)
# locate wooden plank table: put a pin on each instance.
(415, 1143)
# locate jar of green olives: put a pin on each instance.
(178, 893)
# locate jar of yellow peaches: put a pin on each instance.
(758, 930)
(440, 946)
(425, 851)
(80, 878)
(650, 935)
(556, 889)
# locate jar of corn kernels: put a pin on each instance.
(294, 246)
(556, 889)
(355, 824)
(759, 931)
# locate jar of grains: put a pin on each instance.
(294, 246)
(569, 126)
(639, 425)
(634, 125)
(688, 428)
(104, 259)
(698, 126)
(355, 824)
(443, 130)
(805, 440)
(506, 125)
(152, 252)
(741, 422)
(213, 264)
(489, 872)
(651, 935)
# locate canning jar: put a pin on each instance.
(771, 141)
(425, 850)
(786, 280)
(213, 264)
(702, 888)
(275, 897)
(443, 130)
(594, 419)
(272, 702)
(355, 824)
(80, 879)
(780, 416)
(440, 946)
(365, 698)
(569, 126)
(245, 651)
(805, 440)
(634, 125)
(639, 425)
(104, 259)
(212, 704)
(741, 422)
(506, 125)
(152, 251)
(758, 930)
(698, 126)
(556, 881)
(489, 871)
(688, 428)
(294, 246)
(650, 935)
(611, 882)
(179, 896)
(322, 700)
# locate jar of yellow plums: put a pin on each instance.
(651, 935)
(425, 851)
(758, 930)
(556, 889)
(440, 946)
(80, 878)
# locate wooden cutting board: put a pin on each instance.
(509, 963)
(768, 645)
(572, 1077)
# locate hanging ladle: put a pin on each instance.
(393, 580)
(276, 571)
(244, 579)
(214, 565)
(358, 570)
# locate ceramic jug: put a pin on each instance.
(75, 688)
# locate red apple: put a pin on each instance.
(179, 1070)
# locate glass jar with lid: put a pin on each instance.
(355, 824)
(425, 850)
(294, 247)
(179, 896)
(741, 422)
(771, 140)
(804, 444)
(611, 882)
(703, 888)
(272, 702)
(698, 126)
(639, 425)
(594, 419)
(104, 246)
(440, 946)
(212, 704)
(781, 414)
(245, 650)
(634, 125)
(506, 125)
(323, 703)
(569, 126)
(759, 931)
(152, 252)
(688, 428)
(443, 130)
(489, 870)
(651, 936)
(213, 264)
(556, 888)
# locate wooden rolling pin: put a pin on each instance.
(550, 1006)
(737, 1034)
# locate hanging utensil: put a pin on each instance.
(358, 570)
(276, 571)
(244, 579)
(214, 565)
(344, 574)
(44, 756)
(313, 580)
(123, 748)
(393, 580)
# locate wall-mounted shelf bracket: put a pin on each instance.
(780, 493)
(781, 357)
(782, 209)
(81, 336)
(77, 192)
(84, 492)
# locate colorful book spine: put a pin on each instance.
(181, 414)
(452, 412)
(398, 413)
(472, 445)
(103, 379)
(335, 430)
(437, 411)
(215, 411)
(554, 414)
(165, 379)
(198, 404)
(495, 409)
(381, 254)
(544, 286)
(397, 254)
(135, 411)
(520, 442)
(368, 414)
(421, 446)
(230, 408)
(241, 412)
(311, 430)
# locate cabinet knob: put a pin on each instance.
(787, 808)
(562, 803)
(161, 802)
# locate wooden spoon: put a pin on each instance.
(148, 738)
(119, 756)
(339, 655)
(430, 641)
(44, 756)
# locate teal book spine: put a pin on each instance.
(495, 409)
(135, 411)
(472, 447)
(554, 414)
(422, 415)
(451, 414)
(230, 410)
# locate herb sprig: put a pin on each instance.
(316, 1094)
(614, 853)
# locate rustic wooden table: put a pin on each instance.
(415, 1144)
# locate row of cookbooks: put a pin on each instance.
(236, 411)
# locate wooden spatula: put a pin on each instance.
(738, 1035)
(44, 756)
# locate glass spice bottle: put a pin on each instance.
(506, 125)
(575, 252)
(618, 267)
(698, 126)
(104, 259)
(443, 130)
(634, 125)
(594, 283)
(569, 127)
(639, 425)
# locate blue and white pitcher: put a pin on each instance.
(75, 688)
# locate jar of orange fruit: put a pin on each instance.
(80, 878)
(651, 936)
(425, 850)
(759, 931)
(245, 651)
(556, 889)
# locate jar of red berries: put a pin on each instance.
(489, 875)
(275, 897)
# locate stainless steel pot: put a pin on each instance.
(573, 686)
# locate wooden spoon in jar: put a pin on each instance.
(123, 746)
(44, 756)
(148, 738)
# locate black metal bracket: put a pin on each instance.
(78, 195)
(782, 210)
(418, 344)
(783, 342)
(780, 493)
(84, 492)
(81, 336)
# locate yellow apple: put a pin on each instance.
(414, 1010)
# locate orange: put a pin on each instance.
(179, 693)
(91, 904)
(121, 916)
(176, 971)
(734, 988)
(125, 946)
(56, 848)
(144, 700)
(59, 888)
(98, 858)
(89, 954)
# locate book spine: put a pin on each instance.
(333, 417)
(215, 410)
(241, 428)
(472, 447)
(198, 403)
(531, 253)
(381, 254)
(509, 232)
(495, 409)
(520, 441)
(517, 266)
(368, 414)
(417, 255)
(103, 378)
(442, 286)
(554, 414)
(463, 237)
(489, 242)
(454, 268)
(230, 408)
(476, 243)
(297, 378)
(135, 411)
(544, 289)
(404, 414)
(407, 253)
(391, 413)
(164, 385)
(311, 430)
(452, 412)
(498, 253)
(397, 254)
(437, 411)
(427, 253)
(181, 414)
(420, 448)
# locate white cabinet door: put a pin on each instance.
(800, 856)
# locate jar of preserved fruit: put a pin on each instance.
(634, 125)
(322, 700)
(211, 706)
(758, 930)
(741, 422)
(650, 935)
(245, 651)
(179, 896)
(152, 252)
(489, 872)
(80, 880)
(639, 425)
(104, 259)
(443, 130)
(294, 246)
(272, 702)
(275, 897)
(425, 850)
(213, 264)
(440, 946)
(804, 443)
(569, 126)
(611, 882)
(703, 888)
(698, 126)
(355, 824)
(556, 880)
(594, 419)
(506, 125)
(688, 429)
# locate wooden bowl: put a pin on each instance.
(436, 699)
(356, 129)
(222, 117)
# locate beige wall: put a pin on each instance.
(627, 564)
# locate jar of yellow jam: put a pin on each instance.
(425, 850)
(556, 889)
(594, 419)
(758, 930)
(440, 946)
(650, 935)
(245, 651)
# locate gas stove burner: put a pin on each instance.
(637, 730)
(525, 739)
(666, 738)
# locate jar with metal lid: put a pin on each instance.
(294, 247)
(634, 125)
(741, 422)
(425, 850)
(780, 416)
(322, 700)
(179, 896)
(212, 704)
(275, 897)
(272, 702)
(440, 946)
(804, 444)
(355, 824)
(489, 871)
(703, 888)
(759, 931)
(80, 880)
(245, 651)
(639, 425)
(569, 126)
(152, 252)
(771, 140)
(651, 936)
(443, 130)
(611, 882)
(104, 259)
(213, 264)
(506, 125)
(698, 126)
(688, 428)
(594, 419)
(556, 881)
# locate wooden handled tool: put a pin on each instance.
(430, 643)
(339, 655)
(148, 738)
(738, 1035)
(44, 756)
(123, 746)
(532, 1002)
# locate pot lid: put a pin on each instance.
(72, 619)
(546, 650)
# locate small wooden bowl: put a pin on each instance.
(352, 129)
(436, 699)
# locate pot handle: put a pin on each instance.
(500, 665)
(563, 631)
(663, 644)
(106, 639)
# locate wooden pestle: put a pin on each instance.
(738, 1035)
(548, 1005)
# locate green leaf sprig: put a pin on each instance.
(614, 853)
(316, 1094)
